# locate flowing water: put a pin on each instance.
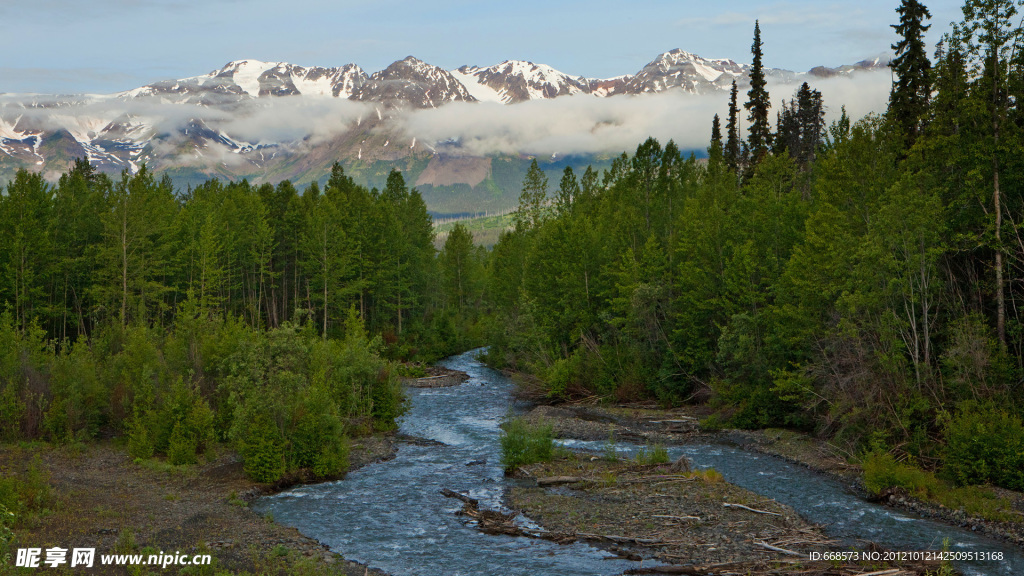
(391, 515)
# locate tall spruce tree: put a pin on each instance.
(568, 191)
(759, 138)
(533, 200)
(991, 35)
(912, 87)
(801, 125)
(716, 134)
(732, 130)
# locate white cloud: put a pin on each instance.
(568, 125)
(292, 121)
(585, 124)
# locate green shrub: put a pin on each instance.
(264, 460)
(317, 440)
(713, 423)
(525, 443)
(11, 412)
(411, 371)
(140, 444)
(182, 446)
(27, 492)
(656, 454)
(882, 472)
(558, 377)
(260, 443)
(81, 402)
(985, 445)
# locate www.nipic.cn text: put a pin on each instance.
(86, 558)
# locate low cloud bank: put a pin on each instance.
(283, 120)
(586, 124)
(567, 125)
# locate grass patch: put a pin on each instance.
(26, 494)
(883, 472)
(610, 452)
(609, 479)
(710, 476)
(656, 454)
(234, 500)
(525, 443)
(185, 471)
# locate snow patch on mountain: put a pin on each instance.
(476, 88)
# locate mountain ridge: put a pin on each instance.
(211, 123)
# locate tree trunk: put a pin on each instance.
(1000, 295)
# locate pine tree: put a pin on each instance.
(716, 133)
(533, 200)
(991, 35)
(732, 129)
(25, 248)
(568, 190)
(911, 90)
(800, 126)
(760, 136)
(457, 266)
(716, 146)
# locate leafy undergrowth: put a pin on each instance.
(524, 443)
(882, 472)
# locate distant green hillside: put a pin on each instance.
(497, 193)
(485, 229)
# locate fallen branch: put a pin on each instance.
(892, 572)
(621, 538)
(676, 517)
(554, 480)
(453, 494)
(683, 421)
(659, 478)
(777, 549)
(729, 505)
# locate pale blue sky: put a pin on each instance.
(100, 46)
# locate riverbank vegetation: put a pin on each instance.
(256, 317)
(525, 443)
(855, 279)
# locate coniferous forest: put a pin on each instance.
(858, 279)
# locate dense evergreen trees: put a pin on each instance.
(860, 280)
(854, 280)
(253, 315)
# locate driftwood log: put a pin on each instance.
(755, 510)
(555, 480)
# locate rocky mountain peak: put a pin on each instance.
(413, 82)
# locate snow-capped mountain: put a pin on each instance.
(516, 81)
(212, 122)
(253, 79)
(412, 82)
(689, 72)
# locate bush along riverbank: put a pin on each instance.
(155, 435)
